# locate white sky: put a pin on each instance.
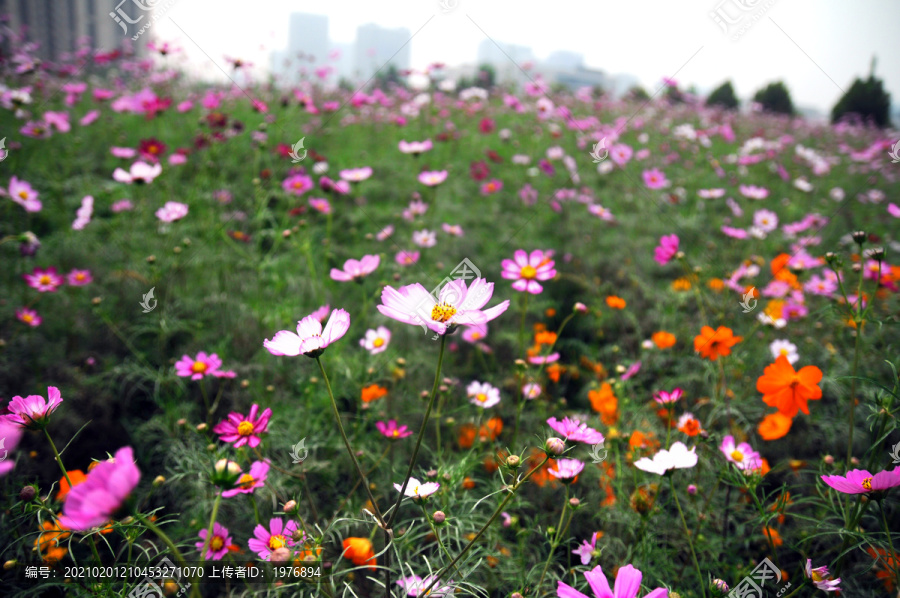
(817, 48)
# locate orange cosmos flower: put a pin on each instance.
(615, 302)
(681, 284)
(544, 338)
(772, 536)
(716, 284)
(373, 392)
(713, 344)
(77, 476)
(788, 390)
(554, 371)
(605, 403)
(359, 551)
(889, 562)
(663, 339)
(550, 312)
(774, 426)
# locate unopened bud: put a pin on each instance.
(513, 461)
(226, 466)
(439, 517)
(574, 502)
(8, 565)
(151, 259)
(859, 236)
(691, 489)
(201, 427)
(280, 555)
(27, 493)
(431, 473)
(829, 460)
(181, 422)
(555, 446)
(290, 506)
(159, 481)
(580, 308)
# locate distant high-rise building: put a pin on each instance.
(308, 47)
(508, 60)
(57, 26)
(377, 47)
(565, 60)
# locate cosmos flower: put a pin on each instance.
(241, 430)
(415, 147)
(22, 193)
(713, 344)
(356, 175)
(575, 430)
(407, 258)
(33, 412)
(250, 481)
(202, 365)
(95, 500)
(666, 250)
(677, 457)
(786, 348)
(417, 490)
(742, 455)
(860, 481)
(527, 269)
(566, 470)
(139, 173)
(424, 238)
(415, 585)
(432, 178)
(585, 551)
(820, 579)
(392, 431)
(655, 179)
(11, 434)
(356, 269)
(531, 390)
(359, 551)
(218, 544)
(666, 398)
(297, 184)
(44, 280)
(311, 339)
(376, 340)
(172, 211)
(79, 278)
(483, 394)
(28, 316)
(267, 541)
(789, 390)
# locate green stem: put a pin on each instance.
(555, 542)
(165, 539)
(690, 540)
(887, 530)
(57, 457)
(412, 461)
(212, 524)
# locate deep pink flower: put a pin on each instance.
(203, 365)
(655, 179)
(575, 430)
(356, 269)
(250, 481)
(28, 316)
(665, 398)
(860, 481)
(218, 544)
(44, 281)
(666, 250)
(267, 541)
(407, 258)
(241, 430)
(391, 431)
(628, 584)
(311, 339)
(94, 501)
(79, 278)
(491, 187)
(526, 270)
(10, 434)
(33, 412)
(320, 204)
(297, 184)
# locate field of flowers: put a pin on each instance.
(481, 342)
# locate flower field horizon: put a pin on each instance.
(475, 342)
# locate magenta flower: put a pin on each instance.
(311, 339)
(267, 541)
(10, 435)
(668, 247)
(356, 175)
(585, 551)
(139, 173)
(44, 281)
(633, 369)
(28, 316)
(860, 481)
(456, 305)
(297, 184)
(566, 470)
(123, 205)
(666, 398)
(203, 365)
(575, 430)
(655, 179)
(391, 431)
(320, 204)
(407, 258)
(84, 213)
(218, 544)
(79, 278)
(243, 430)
(93, 501)
(23, 194)
(432, 178)
(526, 270)
(33, 412)
(172, 211)
(250, 481)
(628, 584)
(491, 187)
(742, 455)
(356, 269)
(58, 120)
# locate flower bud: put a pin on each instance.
(201, 427)
(829, 460)
(431, 473)
(280, 555)
(27, 493)
(555, 446)
(439, 517)
(691, 489)
(574, 502)
(580, 308)
(159, 481)
(513, 461)
(859, 236)
(290, 506)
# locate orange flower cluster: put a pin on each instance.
(663, 339)
(359, 551)
(889, 563)
(373, 392)
(488, 432)
(781, 272)
(713, 344)
(48, 541)
(615, 302)
(787, 390)
(605, 403)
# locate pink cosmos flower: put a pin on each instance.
(79, 278)
(139, 173)
(415, 147)
(320, 205)
(621, 153)
(575, 430)
(23, 194)
(376, 340)
(123, 152)
(585, 551)
(667, 398)
(654, 179)
(566, 470)
(526, 270)
(666, 250)
(33, 412)
(820, 579)
(356, 175)
(415, 585)
(483, 394)
(44, 281)
(218, 544)
(203, 365)
(311, 339)
(94, 501)
(407, 258)
(297, 184)
(11, 434)
(754, 192)
(894, 210)
(89, 118)
(241, 430)
(123, 205)
(633, 369)
(742, 455)
(452, 229)
(628, 585)
(417, 490)
(543, 359)
(424, 238)
(59, 120)
(28, 316)
(172, 211)
(391, 431)
(734, 233)
(491, 187)
(267, 541)
(356, 269)
(711, 193)
(432, 178)
(457, 304)
(531, 391)
(84, 213)
(250, 481)
(473, 334)
(860, 481)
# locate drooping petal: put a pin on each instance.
(284, 342)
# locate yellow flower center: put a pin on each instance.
(23, 194)
(783, 352)
(476, 336)
(246, 481)
(378, 342)
(737, 455)
(28, 318)
(442, 312)
(396, 433)
(199, 367)
(217, 543)
(481, 397)
(816, 576)
(528, 272)
(80, 276)
(867, 483)
(44, 279)
(276, 542)
(245, 428)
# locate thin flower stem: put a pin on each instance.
(435, 532)
(162, 536)
(412, 461)
(556, 538)
(887, 530)
(690, 540)
(337, 416)
(57, 457)
(212, 524)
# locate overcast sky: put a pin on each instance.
(817, 48)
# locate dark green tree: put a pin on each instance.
(866, 99)
(487, 76)
(637, 94)
(775, 97)
(723, 96)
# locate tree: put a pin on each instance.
(637, 94)
(866, 99)
(723, 96)
(775, 98)
(487, 76)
